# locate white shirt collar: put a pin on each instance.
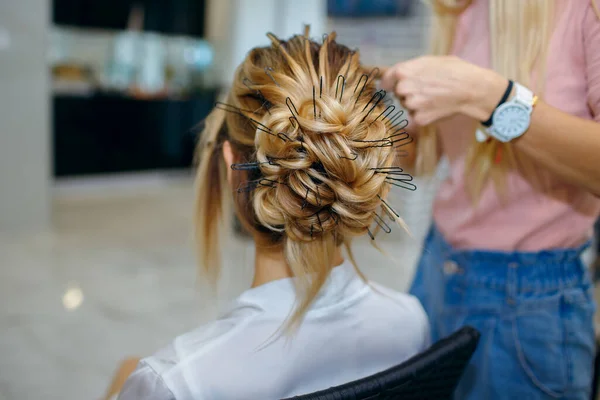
(279, 296)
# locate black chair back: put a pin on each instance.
(432, 374)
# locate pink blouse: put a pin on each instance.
(528, 221)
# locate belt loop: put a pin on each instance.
(512, 283)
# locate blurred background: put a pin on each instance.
(99, 106)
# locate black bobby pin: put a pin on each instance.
(363, 87)
(305, 202)
(390, 170)
(319, 219)
(392, 120)
(355, 156)
(397, 177)
(403, 138)
(402, 183)
(337, 85)
(249, 166)
(382, 224)
(389, 101)
(376, 143)
(321, 86)
(266, 104)
(350, 57)
(268, 71)
(314, 102)
(387, 113)
(400, 125)
(370, 234)
(290, 104)
(374, 74)
(252, 185)
(381, 95)
(232, 109)
(388, 207)
(284, 137)
(239, 111)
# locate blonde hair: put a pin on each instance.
(306, 116)
(520, 33)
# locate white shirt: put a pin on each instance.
(352, 330)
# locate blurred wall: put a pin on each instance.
(236, 26)
(24, 114)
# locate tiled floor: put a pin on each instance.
(115, 276)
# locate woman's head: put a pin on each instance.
(312, 145)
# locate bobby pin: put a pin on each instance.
(392, 120)
(350, 57)
(290, 104)
(319, 219)
(385, 142)
(363, 87)
(337, 87)
(403, 140)
(386, 112)
(370, 234)
(400, 125)
(249, 166)
(380, 94)
(321, 86)
(373, 73)
(388, 207)
(251, 185)
(305, 201)
(382, 224)
(265, 103)
(389, 170)
(314, 103)
(284, 137)
(354, 156)
(239, 111)
(397, 177)
(268, 71)
(402, 183)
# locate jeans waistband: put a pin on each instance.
(540, 271)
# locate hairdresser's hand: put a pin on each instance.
(432, 88)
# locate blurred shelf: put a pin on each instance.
(104, 133)
(179, 17)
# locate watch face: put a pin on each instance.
(511, 121)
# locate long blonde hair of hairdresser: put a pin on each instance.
(520, 32)
(318, 184)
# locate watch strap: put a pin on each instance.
(509, 88)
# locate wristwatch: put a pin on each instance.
(511, 118)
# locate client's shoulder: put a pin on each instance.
(192, 347)
(396, 299)
(401, 306)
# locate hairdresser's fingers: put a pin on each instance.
(388, 80)
(424, 117)
(417, 102)
(406, 87)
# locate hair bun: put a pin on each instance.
(321, 165)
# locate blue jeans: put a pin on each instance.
(534, 312)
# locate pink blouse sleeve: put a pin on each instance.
(591, 43)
